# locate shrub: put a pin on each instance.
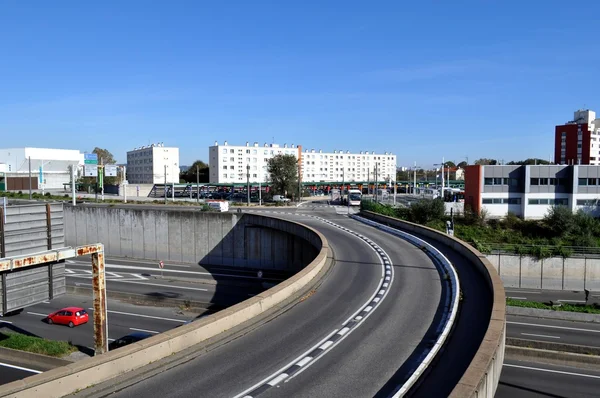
(426, 210)
(560, 220)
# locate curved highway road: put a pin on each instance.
(359, 363)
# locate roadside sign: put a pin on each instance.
(110, 170)
(90, 170)
(90, 158)
(41, 175)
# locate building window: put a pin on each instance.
(488, 181)
(543, 181)
(582, 182)
(587, 202)
(513, 182)
(535, 181)
(498, 201)
(592, 181)
(497, 181)
(564, 133)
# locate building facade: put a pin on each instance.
(578, 141)
(530, 191)
(229, 164)
(151, 164)
(54, 165)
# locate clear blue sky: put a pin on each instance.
(421, 79)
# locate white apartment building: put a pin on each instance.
(229, 163)
(146, 165)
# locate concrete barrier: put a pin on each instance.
(553, 273)
(65, 380)
(482, 377)
(550, 314)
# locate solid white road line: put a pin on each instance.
(144, 330)
(148, 284)
(36, 313)
(540, 335)
(20, 368)
(552, 371)
(553, 327)
(1, 321)
(143, 316)
(518, 298)
(571, 301)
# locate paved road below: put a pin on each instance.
(554, 331)
(529, 379)
(11, 371)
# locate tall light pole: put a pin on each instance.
(248, 183)
(165, 184)
(415, 179)
(197, 184)
(30, 195)
(442, 189)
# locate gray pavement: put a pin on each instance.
(553, 331)
(389, 336)
(529, 379)
(556, 296)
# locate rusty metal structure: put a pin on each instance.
(18, 264)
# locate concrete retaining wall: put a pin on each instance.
(554, 273)
(482, 377)
(187, 235)
(68, 379)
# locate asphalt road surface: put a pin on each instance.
(11, 371)
(553, 331)
(529, 379)
(388, 340)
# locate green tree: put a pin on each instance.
(485, 162)
(426, 210)
(462, 164)
(104, 157)
(560, 220)
(190, 174)
(530, 161)
(449, 164)
(283, 174)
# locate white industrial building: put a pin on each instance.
(229, 163)
(151, 164)
(54, 164)
(530, 191)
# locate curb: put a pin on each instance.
(552, 357)
(562, 347)
(550, 314)
(37, 361)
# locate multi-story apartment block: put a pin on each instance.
(530, 191)
(578, 141)
(229, 164)
(150, 164)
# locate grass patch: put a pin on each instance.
(588, 309)
(37, 345)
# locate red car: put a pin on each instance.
(71, 316)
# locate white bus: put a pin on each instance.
(354, 197)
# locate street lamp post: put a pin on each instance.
(248, 182)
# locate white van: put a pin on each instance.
(280, 198)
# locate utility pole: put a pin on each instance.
(442, 189)
(101, 170)
(197, 184)
(415, 177)
(165, 184)
(375, 184)
(248, 183)
(448, 183)
(30, 194)
(299, 183)
(73, 184)
(124, 171)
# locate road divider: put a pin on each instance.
(92, 371)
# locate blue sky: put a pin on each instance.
(421, 79)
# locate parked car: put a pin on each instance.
(280, 198)
(70, 316)
(129, 339)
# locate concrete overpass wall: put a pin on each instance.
(483, 375)
(187, 236)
